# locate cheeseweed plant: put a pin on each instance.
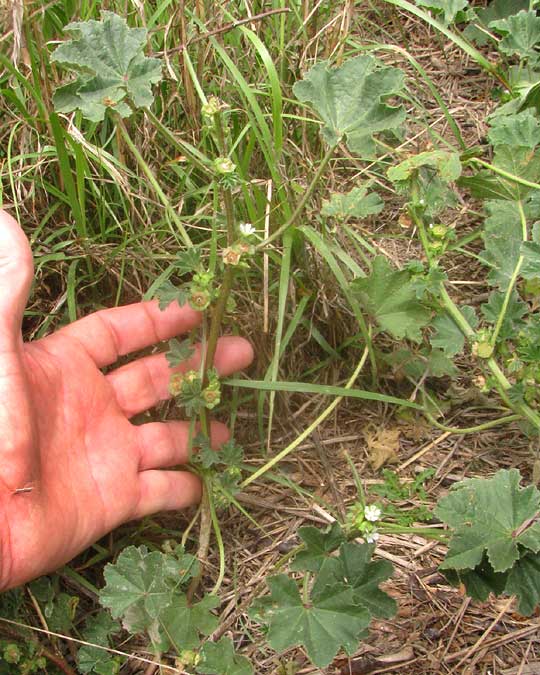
(323, 595)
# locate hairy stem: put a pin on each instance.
(208, 514)
(503, 384)
(205, 528)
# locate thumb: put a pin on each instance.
(16, 271)
(18, 465)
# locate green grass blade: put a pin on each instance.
(325, 389)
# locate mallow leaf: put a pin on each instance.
(136, 589)
(219, 658)
(521, 129)
(167, 293)
(448, 336)
(98, 630)
(329, 620)
(530, 250)
(179, 351)
(518, 161)
(390, 297)
(108, 57)
(491, 516)
(182, 622)
(448, 9)
(522, 580)
(354, 204)
(515, 310)
(502, 238)
(524, 583)
(319, 546)
(142, 584)
(351, 99)
(479, 582)
(353, 567)
(521, 33)
(483, 16)
(446, 164)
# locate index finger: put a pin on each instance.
(111, 333)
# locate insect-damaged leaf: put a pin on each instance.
(329, 620)
(108, 57)
(351, 100)
(490, 516)
(390, 297)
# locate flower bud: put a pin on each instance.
(175, 383)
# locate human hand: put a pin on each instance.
(72, 465)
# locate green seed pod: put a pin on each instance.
(439, 231)
(483, 350)
(199, 300)
(224, 166)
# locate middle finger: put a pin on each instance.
(142, 384)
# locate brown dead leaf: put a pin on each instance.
(383, 446)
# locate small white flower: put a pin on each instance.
(372, 537)
(246, 229)
(372, 513)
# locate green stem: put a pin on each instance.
(505, 174)
(217, 317)
(219, 541)
(419, 221)
(307, 432)
(471, 430)
(205, 528)
(153, 182)
(503, 384)
(513, 280)
(226, 286)
(304, 199)
(427, 532)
